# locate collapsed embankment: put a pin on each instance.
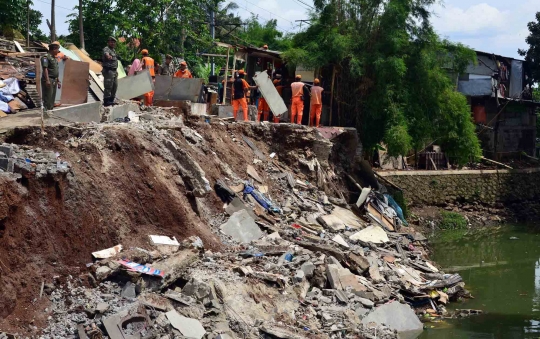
(124, 183)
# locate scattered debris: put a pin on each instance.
(107, 253)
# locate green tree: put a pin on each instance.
(532, 55)
(258, 35)
(13, 20)
(392, 74)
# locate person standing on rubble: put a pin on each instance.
(49, 80)
(110, 74)
(148, 63)
(183, 72)
(316, 103)
(240, 90)
(168, 67)
(297, 102)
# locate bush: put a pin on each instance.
(452, 221)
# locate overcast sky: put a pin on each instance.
(498, 26)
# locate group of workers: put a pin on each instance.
(240, 87)
(239, 100)
(110, 74)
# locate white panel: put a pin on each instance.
(270, 93)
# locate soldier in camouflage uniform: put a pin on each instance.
(110, 74)
(49, 79)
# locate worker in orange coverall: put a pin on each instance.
(297, 103)
(316, 104)
(148, 63)
(240, 89)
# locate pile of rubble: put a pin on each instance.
(27, 160)
(298, 264)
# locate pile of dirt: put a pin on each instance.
(123, 184)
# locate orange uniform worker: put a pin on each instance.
(279, 89)
(240, 89)
(183, 72)
(148, 63)
(297, 103)
(316, 103)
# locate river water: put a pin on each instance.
(501, 268)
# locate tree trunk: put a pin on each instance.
(27, 23)
(332, 94)
(81, 31)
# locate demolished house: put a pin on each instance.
(499, 92)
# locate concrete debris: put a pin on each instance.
(398, 317)
(339, 240)
(164, 240)
(107, 253)
(30, 162)
(241, 227)
(374, 234)
(252, 172)
(190, 328)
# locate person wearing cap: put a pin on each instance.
(168, 67)
(265, 47)
(240, 89)
(316, 104)
(148, 63)
(49, 79)
(297, 102)
(109, 72)
(60, 56)
(183, 72)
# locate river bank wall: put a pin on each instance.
(517, 190)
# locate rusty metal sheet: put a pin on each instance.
(75, 84)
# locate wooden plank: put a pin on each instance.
(75, 84)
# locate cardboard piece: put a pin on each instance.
(270, 93)
(75, 82)
(135, 86)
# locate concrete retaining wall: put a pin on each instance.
(449, 187)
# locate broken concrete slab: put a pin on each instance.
(102, 307)
(103, 272)
(89, 112)
(128, 291)
(332, 273)
(396, 316)
(190, 328)
(113, 325)
(242, 227)
(339, 240)
(120, 111)
(308, 268)
(223, 111)
(340, 218)
(237, 205)
(358, 262)
(171, 88)
(374, 234)
(270, 93)
(198, 109)
(135, 85)
(280, 332)
(252, 172)
(107, 253)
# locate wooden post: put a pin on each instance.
(81, 31)
(332, 94)
(226, 76)
(233, 70)
(27, 23)
(53, 25)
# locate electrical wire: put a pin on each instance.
(48, 3)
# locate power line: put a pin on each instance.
(303, 3)
(48, 3)
(268, 11)
(247, 10)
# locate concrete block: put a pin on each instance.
(222, 111)
(198, 109)
(241, 227)
(7, 150)
(169, 88)
(128, 291)
(190, 328)
(396, 316)
(135, 86)
(120, 111)
(308, 269)
(300, 275)
(6, 164)
(332, 273)
(89, 112)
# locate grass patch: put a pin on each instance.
(452, 221)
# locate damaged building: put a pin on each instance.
(498, 90)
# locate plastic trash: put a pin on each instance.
(392, 203)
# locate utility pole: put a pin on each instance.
(81, 32)
(27, 23)
(213, 32)
(53, 25)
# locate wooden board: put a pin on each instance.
(75, 84)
